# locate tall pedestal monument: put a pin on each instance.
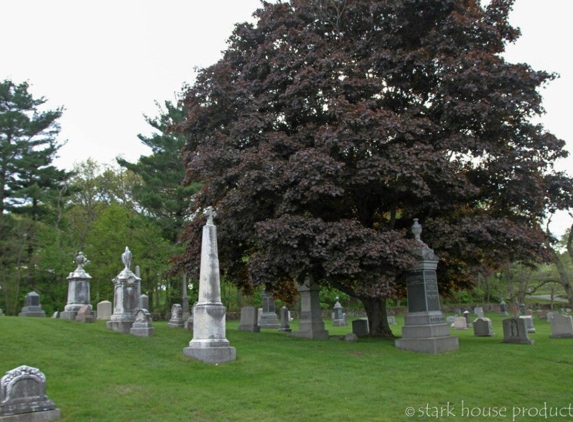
(209, 343)
(126, 295)
(78, 289)
(425, 329)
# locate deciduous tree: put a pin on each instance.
(329, 125)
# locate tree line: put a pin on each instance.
(326, 127)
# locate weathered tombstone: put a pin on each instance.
(32, 306)
(189, 322)
(104, 310)
(249, 320)
(56, 314)
(285, 320)
(125, 298)
(392, 320)
(310, 324)
(142, 326)
(451, 319)
(551, 315)
(176, 320)
(23, 396)
(78, 289)
(478, 311)
(460, 323)
(351, 337)
(467, 317)
(503, 308)
(360, 327)
(269, 318)
(514, 331)
(425, 329)
(144, 302)
(209, 343)
(85, 314)
(541, 314)
(483, 327)
(561, 326)
(528, 323)
(338, 315)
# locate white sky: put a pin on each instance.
(107, 62)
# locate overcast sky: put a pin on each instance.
(107, 62)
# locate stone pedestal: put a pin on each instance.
(125, 298)
(32, 306)
(78, 289)
(269, 318)
(338, 319)
(285, 320)
(209, 343)
(311, 325)
(425, 329)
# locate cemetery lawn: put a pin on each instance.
(95, 374)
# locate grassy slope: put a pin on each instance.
(94, 374)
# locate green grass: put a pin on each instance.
(94, 374)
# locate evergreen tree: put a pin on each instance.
(28, 145)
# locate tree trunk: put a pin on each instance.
(377, 317)
(563, 277)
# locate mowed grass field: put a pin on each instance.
(95, 374)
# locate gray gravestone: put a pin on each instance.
(285, 320)
(483, 327)
(542, 314)
(56, 314)
(360, 327)
(561, 326)
(268, 318)
(249, 320)
(176, 320)
(104, 310)
(209, 343)
(478, 311)
(528, 323)
(142, 326)
(551, 315)
(85, 314)
(392, 320)
(514, 331)
(23, 396)
(425, 329)
(503, 308)
(460, 323)
(78, 289)
(1, 314)
(450, 320)
(125, 298)
(338, 319)
(32, 307)
(144, 302)
(310, 324)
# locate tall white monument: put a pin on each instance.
(127, 290)
(209, 343)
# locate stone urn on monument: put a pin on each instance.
(425, 328)
(209, 343)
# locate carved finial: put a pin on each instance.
(417, 230)
(81, 259)
(126, 258)
(210, 215)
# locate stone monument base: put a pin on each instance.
(120, 326)
(433, 345)
(211, 354)
(313, 331)
(69, 315)
(43, 416)
(269, 320)
(142, 331)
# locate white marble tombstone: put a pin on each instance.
(78, 289)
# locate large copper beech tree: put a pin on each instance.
(327, 126)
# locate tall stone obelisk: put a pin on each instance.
(209, 343)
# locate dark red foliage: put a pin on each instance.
(329, 125)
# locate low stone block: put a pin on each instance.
(360, 327)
